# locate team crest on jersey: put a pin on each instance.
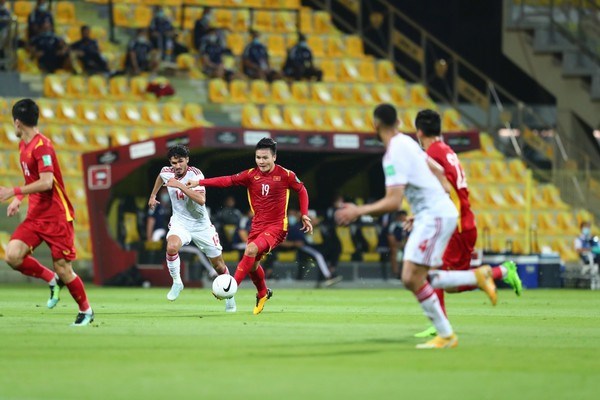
(47, 160)
(256, 177)
(66, 252)
(276, 178)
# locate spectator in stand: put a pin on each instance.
(157, 220)
(586, 245)
(87, 51)
(332, 248)
(140, 54)
(228, 215)
(50, 51)
(299, 62)
(5, 18)
(397, 235)
(255, 60)
(38, 18)
(211, 53)
(163, 36)
(202, 26)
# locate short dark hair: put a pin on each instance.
(386, 114)
(179, 151)
(429, 122)
(27, 112)
(84, 28)
(267, 143)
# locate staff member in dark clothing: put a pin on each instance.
(140, 57)
(255, 60)
(50, 51)
(88, 52)
(299, 63)
(38, 17)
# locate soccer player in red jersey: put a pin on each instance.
(49, 216)
(457, 255)
(268, 187)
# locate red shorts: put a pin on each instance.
(458, 252)
(59, 235)
(273, 237)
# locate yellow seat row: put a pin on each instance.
(63, 11)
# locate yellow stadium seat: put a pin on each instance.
(263, 21)
(321, 93)
(356, 121)
(259, 92)
(151, 114)
(77, 86)
(140, 134)
(386, 72)
(567, 223)
(518, 170)
(25, 63)
(362, 95)
(56, 134)
(306, 21)
(583, 216)
(314, 119)
(108, 113)
(342, 94)
(317, 45)
(186, 61)
(366, 71)
(285, 22)
(538, 200)
(334, 119)
(515, 197)
(419, 96)
(565, 249)
(77, 139)
(485, 221)
(217, 91)
(487, 146)
(335, 47)
(65, 12)
(322, 22)
(8, 136)
(138, 85)
(345, 237)
(241, 20)
(251, 117)
(272, 117)
(238, 90)
(399, 95)
(354, 46)
(348, 71)
(129, 113)
(499, 171)
(293, 117)
(281, 92)
(477, 171)
(194, 115)
(552, 197)
(408, 116)
(119, 87)
(300, 92)
(22, 9)
(451, 121)
(236, 42)
(330, 70)
(476, 197)
(54, 86)
(546, 222)
(276, 45)
(86, 111)
(171, 113)
(46, 107)
(142, 17)
(509, 223)
(224, 18)
(119, 136)
(97, 86)
(381, 93)
(98, 137)
(66, 111)
(495, 197)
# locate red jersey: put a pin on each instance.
(441, 153)
(36, 157)
(268, 194)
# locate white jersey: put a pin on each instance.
(405, 163)
(186, 212)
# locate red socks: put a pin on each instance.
(496, 273)
(243, 268)
(78, 292)
(258, 278)
(32, 267)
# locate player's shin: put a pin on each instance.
(77, 291)
(258, 278)
(174, 266)
(244, 267)
(431, 307)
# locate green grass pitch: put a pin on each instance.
(307, 344)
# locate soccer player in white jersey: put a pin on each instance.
(408, 171)
(190, 221)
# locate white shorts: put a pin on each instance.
(207, 240)
(428, 240)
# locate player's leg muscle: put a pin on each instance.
(173, 244)
(64, 269)
(414, 275)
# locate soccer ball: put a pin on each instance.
(224, 287)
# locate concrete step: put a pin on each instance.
(577, 64)
(595, 87)
(546, 40)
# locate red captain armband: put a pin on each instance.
(18, 191)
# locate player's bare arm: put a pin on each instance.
(152, 202)
(192, 184)
(43, 184)
(196, 196)
(439, 173)
(391, 202)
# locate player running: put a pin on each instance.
(190, 221)
(408, 171)
(460, 247)
(268, 193)
(49, 217)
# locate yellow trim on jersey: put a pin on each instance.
(250, 201)
(456, 200)
(63, 200)
(39, 143)
(287, 200)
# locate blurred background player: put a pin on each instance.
(190, 221)
(49, 216)
(268, 193)
(408, 170)
(462, 243)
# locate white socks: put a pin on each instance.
(174, 265)
(452, 279)
(431, 306)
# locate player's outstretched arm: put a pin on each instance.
(219, 181)
(43, 184)
(391, 202)
(152, 202)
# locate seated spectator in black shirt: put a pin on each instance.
(87, 51)
(50, 51)
(255, 60)
(163, 36)
(202, 26)
(38, 17)
(5, 18)
(299, 63)
(211, 52)
(140, 54)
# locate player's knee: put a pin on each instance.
(64, 270)
(13, 257)
(172, 248)
(251, 250)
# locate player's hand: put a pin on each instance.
(6, 193)
(347, 214)
(174, 183)
(13, 207)
(306, 225)
(192, 184)
(408, 224)
(153, 202)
